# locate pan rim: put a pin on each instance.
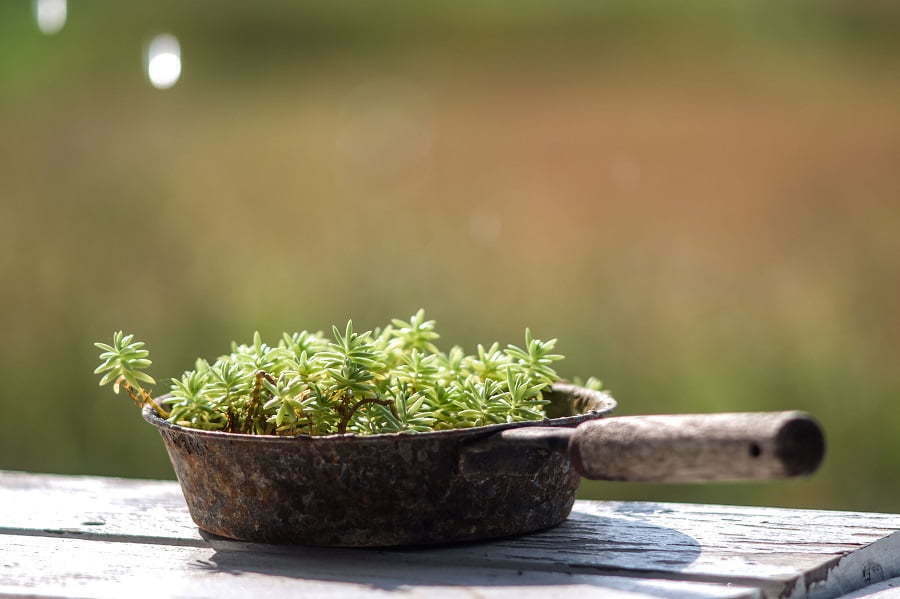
(603, 401)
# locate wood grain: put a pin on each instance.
(73, 568)
(96, 507)
(887, 589)
(786, 552)
(698, 447)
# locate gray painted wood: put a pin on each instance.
(95, 507)
(778, 551)
(72, 568)
(887, 589)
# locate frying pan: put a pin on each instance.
(465, 484)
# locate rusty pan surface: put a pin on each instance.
(378, 490)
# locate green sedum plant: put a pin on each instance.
(391, 380)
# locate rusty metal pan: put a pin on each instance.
(464, 484)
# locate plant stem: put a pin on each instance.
(142, 398)
(256, 401)
(347, 414)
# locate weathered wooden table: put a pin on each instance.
(78, 536)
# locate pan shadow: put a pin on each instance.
(599, 551)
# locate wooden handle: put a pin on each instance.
(698, 447)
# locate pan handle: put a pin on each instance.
(686, 448)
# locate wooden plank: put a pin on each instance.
(781, 558)
(778, 550)
(45, 566)
(95, 507)
(888, 589)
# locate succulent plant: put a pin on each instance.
(393, 379)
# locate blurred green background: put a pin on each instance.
(701, 200)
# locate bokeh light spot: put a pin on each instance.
(164, 61)
(50, 15)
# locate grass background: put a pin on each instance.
(701, 201)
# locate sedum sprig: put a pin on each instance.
(408, 412)
(123, 364)
(191, 402)
(394, 379)
(535, 359)
(124, 361)
(417, 333)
